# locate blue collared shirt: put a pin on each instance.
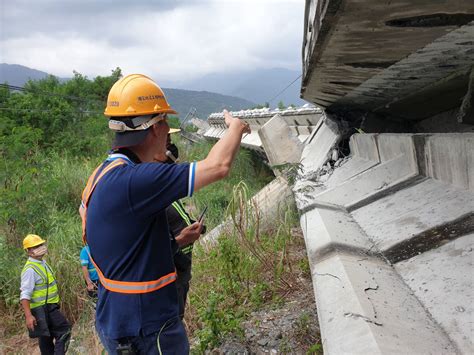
(129, 240)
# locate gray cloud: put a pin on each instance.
(167, 39)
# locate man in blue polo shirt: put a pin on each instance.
(124, 220)
(89, 272)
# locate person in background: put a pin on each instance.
(89, 272)
(183, 231)
(40, 300)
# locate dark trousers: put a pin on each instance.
(183, 263)
(171, 339)
(60, 331)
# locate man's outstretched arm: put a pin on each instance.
(218, 162)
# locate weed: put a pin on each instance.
(315, 349)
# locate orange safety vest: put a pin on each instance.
(109, 284)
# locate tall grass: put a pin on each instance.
(44, 201)
(247, 269)
(40, 194)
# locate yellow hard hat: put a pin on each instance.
(174, 130)
(136, 95)
(32, 240)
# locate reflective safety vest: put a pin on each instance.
(179, 208)
(119, 286)
(47, 290)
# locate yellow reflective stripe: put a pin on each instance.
(44, 286)
(37, 269)
(181, 212)
(188, 249)
(41, 299)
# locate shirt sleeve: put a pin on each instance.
(28, 281)
(84, 257)
(154, 186)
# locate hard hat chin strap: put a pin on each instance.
(120, 126)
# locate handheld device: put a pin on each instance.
(170, 155)
(202, 214)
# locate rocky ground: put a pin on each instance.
(291, 329)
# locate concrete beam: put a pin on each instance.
(384, 200)
(442, 280)
(280, 145)
(318, 147)
(364, 307)
(328, 231)
(450, 158)
(345, 68)
(409, 212)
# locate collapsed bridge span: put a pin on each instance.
(386, 183)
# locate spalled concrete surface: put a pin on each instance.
(409, 212)
(316, 153)
(364, 307)
(443, 280)
(319, 144)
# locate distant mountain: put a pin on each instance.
(182, 100)
(260, 85)
(205, 102)
(18, 75)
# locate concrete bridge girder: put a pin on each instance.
(380, 226)
(405, 59)
(367, 233)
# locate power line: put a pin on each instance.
(282, 91)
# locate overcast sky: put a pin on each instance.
(166, 39)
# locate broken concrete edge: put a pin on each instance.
(406, 159)
(318, 148)
(279, 142)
